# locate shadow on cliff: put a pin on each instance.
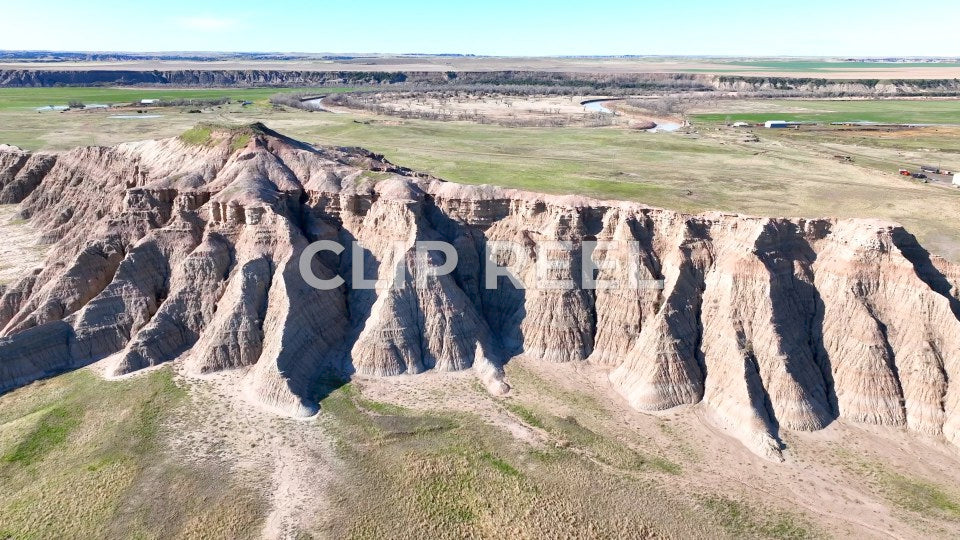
(924, 267)
(504, 311)
(359, 300)
(798, 312)
(502, 307)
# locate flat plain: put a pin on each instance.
(796, 173)
(893, 111)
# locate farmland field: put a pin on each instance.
(900, 111)
(813, 66)
(23, 98)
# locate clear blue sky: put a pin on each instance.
(494, 27)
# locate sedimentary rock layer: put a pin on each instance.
(170, 249)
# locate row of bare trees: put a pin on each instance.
(372, 103)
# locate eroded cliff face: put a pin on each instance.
(168, 250)
(48, 76)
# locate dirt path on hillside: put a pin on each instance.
(291, 461)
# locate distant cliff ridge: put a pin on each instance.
(199, 78)
(510, 80)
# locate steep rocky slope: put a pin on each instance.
(50, 75)
(189, 248)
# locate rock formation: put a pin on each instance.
(177, 250)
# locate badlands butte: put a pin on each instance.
(186, 249)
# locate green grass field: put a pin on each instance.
(814, 66)
(826, 111)
(27, 98)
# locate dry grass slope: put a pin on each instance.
(82, 457)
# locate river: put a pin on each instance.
(598, 106)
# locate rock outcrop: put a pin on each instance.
(175, 250)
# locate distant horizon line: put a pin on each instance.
(840, 57)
